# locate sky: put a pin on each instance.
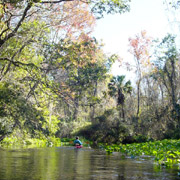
(115, 30)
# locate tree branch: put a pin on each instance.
(54, 2)
(2, 41)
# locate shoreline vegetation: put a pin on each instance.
(165, 153)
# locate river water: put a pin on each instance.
(68, 163)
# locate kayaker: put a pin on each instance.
(77, 142)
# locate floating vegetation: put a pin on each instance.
(165, 152)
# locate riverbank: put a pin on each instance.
(165, 152)
(15, 142)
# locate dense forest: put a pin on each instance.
(56, 81)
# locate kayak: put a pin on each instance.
(78, 146)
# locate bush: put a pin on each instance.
(108, 129)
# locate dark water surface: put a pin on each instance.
(67, 163)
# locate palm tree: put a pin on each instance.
(118, 88)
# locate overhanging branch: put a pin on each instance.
(54, 2)
(2, 41)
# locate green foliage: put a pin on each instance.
(22, 138)
(118, 88)
(27, 142)
(16, 111)
(165, 152)
(110, 7)
(108, 129)
(173, 133)
(165, 52)
(167, 65)
(140, 138)
(22, 142)
(54, 87)
(36, 64)
(69, 127)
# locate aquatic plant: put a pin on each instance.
(165, 152)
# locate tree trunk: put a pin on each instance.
(173, 88)
(138, 98)
(92, 113)
(76, 109)
(123, 114)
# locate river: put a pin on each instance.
(68, 163)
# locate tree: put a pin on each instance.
(166, 63)
(21, 32)
(17, 112)
(118, 88)
(14, 13)
(76, 68)
(27, 31)
(140, 47)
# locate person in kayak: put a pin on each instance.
(77, 142)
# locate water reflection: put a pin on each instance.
(67, 163)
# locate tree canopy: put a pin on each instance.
(55, 77)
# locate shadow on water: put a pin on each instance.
(68, 163)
